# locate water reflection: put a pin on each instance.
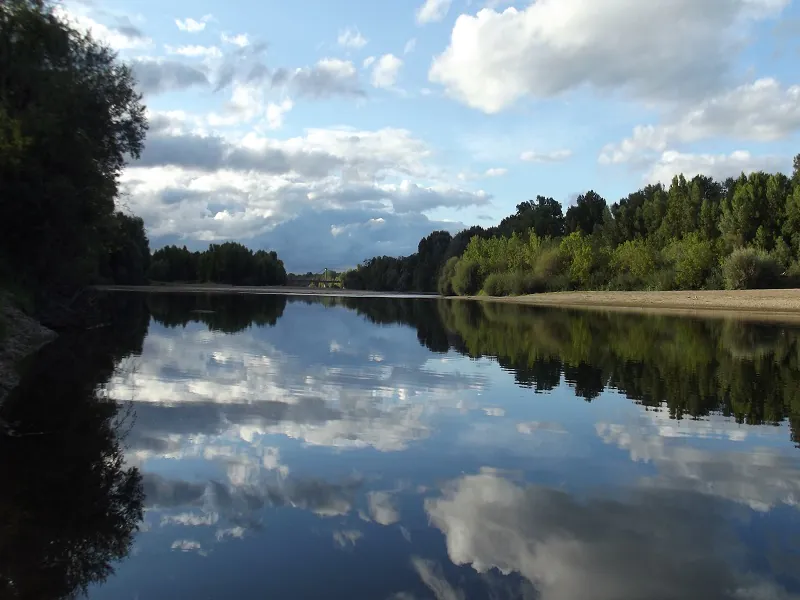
(69, 506)
(399, 448)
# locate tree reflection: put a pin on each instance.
(228, 313)
(69, 506)
(748, 371)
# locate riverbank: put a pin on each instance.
(21, 336)
(767, 305)
(213, 288)
(761, 305)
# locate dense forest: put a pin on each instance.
(694, 234)
(70, 118)
(230, 263)
(70, 121)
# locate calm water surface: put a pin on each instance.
(280, 447)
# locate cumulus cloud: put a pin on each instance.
(351, 38)
(762, 111)
(241, 40)
(190, 25)
(545, 157)
(494, 59)
(329, 77)
(122, 34)
(195, 51)
(381, 509)
(432, 10)
(157, 75)
(276, 113)
(600, 548)
(496, 172)
(359, 192)
(718, 166)
(760, 478)
(386, 70)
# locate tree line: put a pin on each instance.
(693, 234)
(70, 119)
(230, 263)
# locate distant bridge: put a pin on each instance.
(312, 281)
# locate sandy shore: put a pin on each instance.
(768, 305)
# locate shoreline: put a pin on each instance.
(191, 288)
(22, 337)
(776, 305)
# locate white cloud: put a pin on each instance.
(410, 46)
(432, 10)
(190, 25)
(351, 38)
(386, 70)
(760, 478)
(496, 172)
(241, 40)
(598, 548)
(347, 537)
(195, 51)
(368, 61)
(381, 508)
(545, 157)
(276, 113)
(718, 166)
(496, 58)
(120, 36)
(330, 76)
(762, 111)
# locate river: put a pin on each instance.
(243, 446)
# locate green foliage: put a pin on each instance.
(514, 283)
(70, 119)
(445, 283)
(748, 268)
(692, 260)
(634, 259)
(579, 256)
(467, 279)
(230, 263)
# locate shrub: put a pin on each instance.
(496, 284)
(548, 263)
(634, 260)
(514, 283)
(748, 268)
(692, 259)
(577, 252)
(445, 282)
(466, 278)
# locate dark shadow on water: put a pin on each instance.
(69, 506)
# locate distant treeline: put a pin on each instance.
(70, 119)
(695, 234)
(230, 263)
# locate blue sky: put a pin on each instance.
(333, 131)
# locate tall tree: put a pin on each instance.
(70, 118)
(586, 214)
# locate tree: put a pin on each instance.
(70, 118)
(586, 214)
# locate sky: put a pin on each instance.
(336, 130)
